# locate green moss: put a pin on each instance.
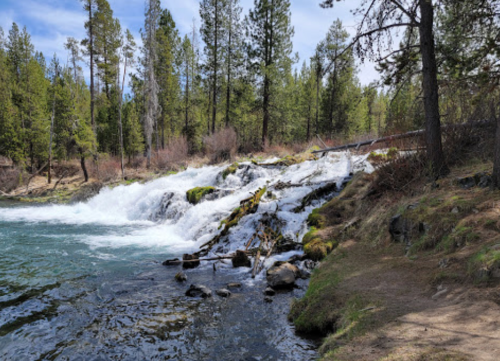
(247, 206)
(317, 249)
(316, 219)
(230, 170)
(194, 195)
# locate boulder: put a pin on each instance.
(269, 291)
(282, 275)
(181, 277)
(199, 291)
(191, 264)
(241, 260)
(223, 292)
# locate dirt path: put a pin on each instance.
(416, 319)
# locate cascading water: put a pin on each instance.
(83, 281)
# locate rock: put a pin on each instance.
(241, 260)
(181, 277)
(305, 274)
(310, 264)
(223, 292)
(269, 291)
(268, 299)
(466, 183)
(86, 192)
(234, 285)
(483, 180)
(399, 229)
(297, 258)
(198, 291)
(189, 257)
(413, 206)
(161, 212)
(218, 194)
(282, 275)
(172, 262)
(287, 245)
(455, 210)
(444, 263)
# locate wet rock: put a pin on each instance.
(309, 264)
(223, 292)
(161, 212)
(234, 285)
(269, 291)
(86, 192)
(217, 194)
(305, 274)
(287, 245)
(172, 262)
(282, 275)
(241, 260)
(199, 291)
(191, 263)
(181, 277)
(297, 258)
(268, 299)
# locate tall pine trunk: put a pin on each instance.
(216, 55)
(496, 165)
(431, 90)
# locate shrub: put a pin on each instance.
(221, 146)
(11, 178)
(174, 156)
(107, 169)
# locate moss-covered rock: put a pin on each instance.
(195, 195)
(247, 206)
(230, 170)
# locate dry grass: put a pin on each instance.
(11, 178)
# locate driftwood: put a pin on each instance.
(412, 134)
(176, 261)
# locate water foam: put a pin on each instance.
(128, 209)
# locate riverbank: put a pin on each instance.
(415, 275)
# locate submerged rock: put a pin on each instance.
(172, 262)
(181, 277)
(282, 275)
(241, 260)
(199, 291)
(234, 285)
(191, 263)
(223, 292)
(268, 299)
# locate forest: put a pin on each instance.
(237, 80)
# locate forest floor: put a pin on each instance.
(436, 299)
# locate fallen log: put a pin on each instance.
(176, 261)
(411, 134)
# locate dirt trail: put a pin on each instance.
(415, 315)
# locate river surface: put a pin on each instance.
(85, 281)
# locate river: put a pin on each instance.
(85, 281)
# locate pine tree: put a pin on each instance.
(270, 32)
(150, 51)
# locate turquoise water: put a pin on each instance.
(62, 298)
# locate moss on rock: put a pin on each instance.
(230, 170)
(195, 195)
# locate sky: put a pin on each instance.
(50, 22)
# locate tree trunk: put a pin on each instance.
(51, 133)
(228, 92)
(214, 90)
(431, 90)
(84, 168)
(308, 135)
(120, 123)
(496, 165)
(265, 122)
(91, 51)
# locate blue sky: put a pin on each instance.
(50, 22)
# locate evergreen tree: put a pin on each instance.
(270, 31)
